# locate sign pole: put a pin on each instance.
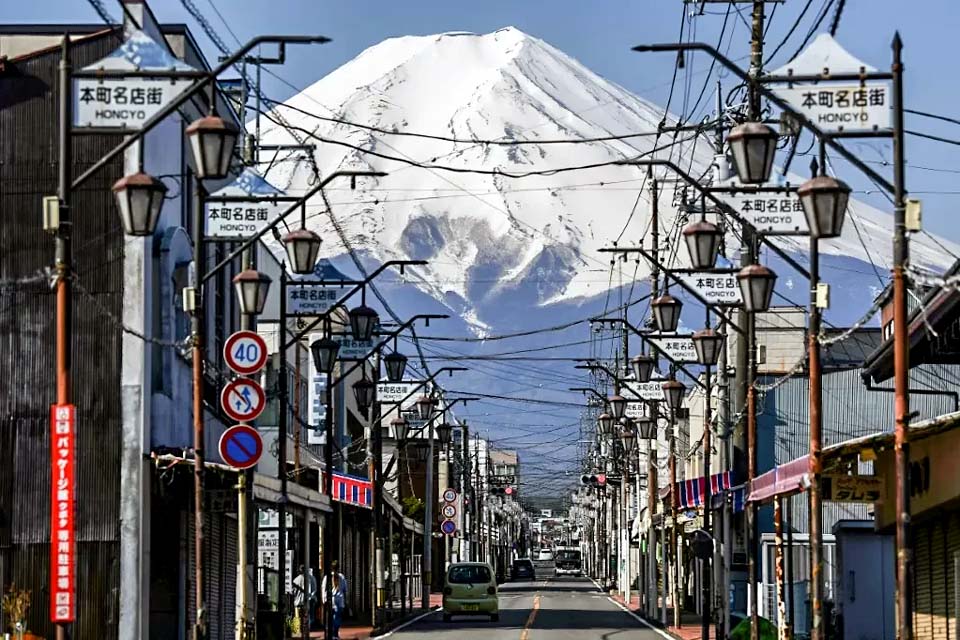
(282, 452)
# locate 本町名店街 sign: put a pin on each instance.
(677, 348)
(770, 213)
(126, 103)
(311, 300)
(842, 107)
(715, 288)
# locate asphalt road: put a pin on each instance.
(548, 609)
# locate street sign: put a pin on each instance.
(351, 349)
(394, 392)
(844, 488)
(241, 446)
(233, 219)
(864, 105)
(777, 213)
(311, 299)
(448, 527)
(677, 348)
(715, 288)
(652, 390)
(127, 102)
(63, 560)
(317, 410)
(243, 400)
(245, 352)
(449, 495)
(449, 511)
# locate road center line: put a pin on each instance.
(525, 634)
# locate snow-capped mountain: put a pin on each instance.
(499, 242)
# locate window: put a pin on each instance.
(469, 574)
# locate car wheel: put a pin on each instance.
(494, 617)
(447, 617)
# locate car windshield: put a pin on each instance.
(468, 574)
(569, 554)
(522, 564)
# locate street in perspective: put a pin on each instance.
(479, 320)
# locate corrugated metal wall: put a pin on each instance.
(849, 411)
(28, 171)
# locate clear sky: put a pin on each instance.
(600, 33)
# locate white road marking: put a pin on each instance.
(407, 624)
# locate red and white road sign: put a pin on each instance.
(243, 400)
(448, 527)
(448, 511)
(449, 495)
(62, 534)
(245, 352)
(241, 446)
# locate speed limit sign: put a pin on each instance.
(245, 352)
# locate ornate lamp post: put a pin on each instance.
(302, 247)
(666, 312)
(139, 198)
(251, 287)
(703, 243)
(753, 145)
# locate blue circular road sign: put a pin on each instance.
(241, 446)
(448, 527)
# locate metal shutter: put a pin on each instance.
(923, 598)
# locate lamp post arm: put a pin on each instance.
(400, 443)
(772, 97)
(182, 99)
(249, 242)
(709, 194)
(420, 384)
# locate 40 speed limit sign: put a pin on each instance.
(245, 352)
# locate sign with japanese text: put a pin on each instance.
(396, 391)
(652, 390)
(842, 107)
(351, 349)
(317, 408)
(112, 102)
(677, 348)
(62, 497)
(715, 288)
(779, 214)
(844, 488)
(311, 300)
(242, 208)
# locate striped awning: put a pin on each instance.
(786, 479)
(690, 493)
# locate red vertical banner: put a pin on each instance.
(62, 497)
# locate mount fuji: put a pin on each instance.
(509, 253)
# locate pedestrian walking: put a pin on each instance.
(338, 593)
(305, 594)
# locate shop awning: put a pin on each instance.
(690, 493)
(785, 479)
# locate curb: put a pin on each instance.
(404, 625)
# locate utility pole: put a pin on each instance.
(705, 585)
(63, 252)
(654, 414)
(901, 355)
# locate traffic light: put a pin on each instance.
(589, 480)
(502, 491)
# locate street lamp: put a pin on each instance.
(364, 391)
(629, 437)
(605, 422)
(756, 287)
(618, 406)
(708, 344)
(212, 140)
(302, 247)
(703, 243)
(400, 428)
(666, 312)
(642, 367)
(251, 287)
(421, 450)
(396, 364)
(646, 428)
(444, 433)
(673, 391)
(754, 145)
(139, 197)
(424, 407)
(325, 354)
(824, 202)
(363, 320)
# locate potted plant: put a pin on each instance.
(16, 603)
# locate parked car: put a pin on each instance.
(470, 589)
(522, 569)
(545, 555)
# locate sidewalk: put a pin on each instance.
(690, 622)
(357, 632)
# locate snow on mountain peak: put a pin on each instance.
(490, 237)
